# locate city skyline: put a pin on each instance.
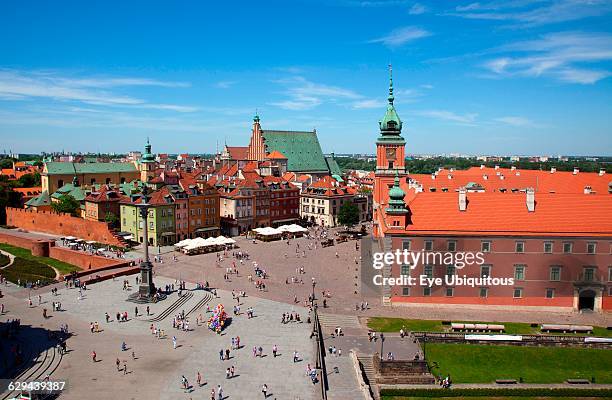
(96, 78)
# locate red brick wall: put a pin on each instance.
(22, 242)
(60, 224)
(83, 260)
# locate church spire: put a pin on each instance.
(391, 98)
(391, 124)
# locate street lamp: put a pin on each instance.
(313, 291)
(382, 343)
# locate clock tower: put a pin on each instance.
(390, 164)
(390, 146)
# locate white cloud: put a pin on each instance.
(401, 36)
(518, 121)
(566, 56)
(304, 94)
(534, 12)
(113, 82)
(22, 85)
(467, 119)
(417, 9)
(225, 84)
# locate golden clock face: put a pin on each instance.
(391, 153)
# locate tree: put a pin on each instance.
(66, 204)
(29, 180)
(111, 219)
(348, 214)
(8, 198)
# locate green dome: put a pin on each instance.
(148, 156)
(396, 198)
(391, 124)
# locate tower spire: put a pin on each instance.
(391, 98)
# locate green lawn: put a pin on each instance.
(471, 363)
(23, 271)
(62, 267)
(488, 398)
(380, 324)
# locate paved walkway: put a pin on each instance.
(336, 270)
(156, 371)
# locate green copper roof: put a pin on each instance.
(302, 149)
(396, 198)
(391, 124)
(72, 190)
(332, 165)
(40, 200)
(66, 168)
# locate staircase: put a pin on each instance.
(367, 367)
(331, 321)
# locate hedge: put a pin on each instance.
(497, 392)
(4, 260)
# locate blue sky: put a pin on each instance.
(495, 76)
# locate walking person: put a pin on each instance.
(264, 390)
(199, 379)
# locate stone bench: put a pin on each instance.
(566, 328)
(578, 381)
(506, 381)
(460, 326)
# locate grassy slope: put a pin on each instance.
(62, 267)
(470, 363)
(28, 271)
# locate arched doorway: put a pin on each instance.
(586, 300)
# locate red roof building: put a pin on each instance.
(542, 239)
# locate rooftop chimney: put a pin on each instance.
(482, 166)
(602, 172)
(496, 167)
(553, 170)
(450, 176)
(485, 177)
(512, 168)
(433, 176)
(462, 199)
(587, 190)
(576, 170)
(530, 199)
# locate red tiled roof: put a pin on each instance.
(250, 166)
(105, 194)
(506, 214)
(540, 181)
(276, 155)
(238, 152)
(330, 187)
(289, 176)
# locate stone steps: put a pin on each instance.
(331, 321)
(367, 366)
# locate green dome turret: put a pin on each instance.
(148, 157)
(396, 198)
(391, 124)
